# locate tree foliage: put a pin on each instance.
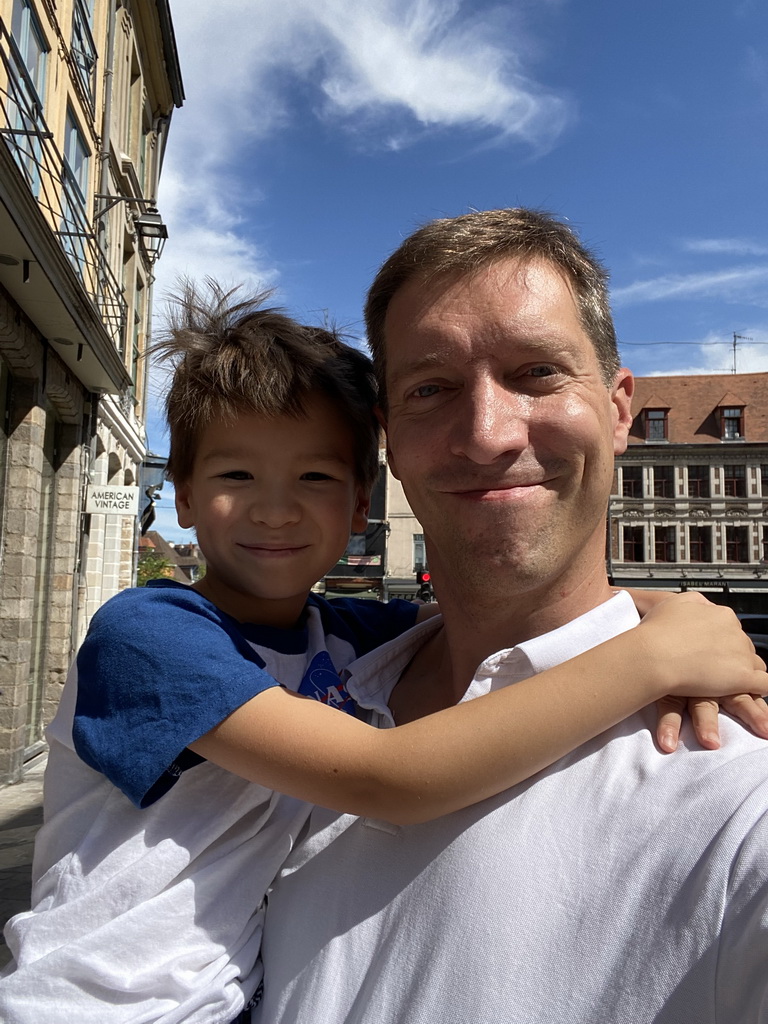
(152, 566)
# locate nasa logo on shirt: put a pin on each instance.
(321, 682)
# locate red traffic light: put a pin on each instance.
(424, 577)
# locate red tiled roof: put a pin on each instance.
(693, 404)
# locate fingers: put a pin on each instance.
(704, 716)
(750, 710)
(669, 712)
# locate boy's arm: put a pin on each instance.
(464, 754)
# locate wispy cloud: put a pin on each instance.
(434, 61)
(726, 246)
(714, 354)
(736, 284)
(422, 58)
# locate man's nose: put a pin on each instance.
(492, 422)
(275, 506)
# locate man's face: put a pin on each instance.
(500, 425)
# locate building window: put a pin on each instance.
(634, 543)
(764, 480)
(137, 336)
(700, 543)
(732, 424)
(664, 481)
(419, 553)
(698, 482)
(764, 545)
(28, 36)
(665, 544)
(76, 157)
(656, 424)
(83, 46)
(632, 481)
(73, 219)
(356, 544)
(735, 481)
(25, 91)
(737, 543)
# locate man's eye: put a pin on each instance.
(545, 370)
(426, 390)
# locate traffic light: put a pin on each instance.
(424, 584)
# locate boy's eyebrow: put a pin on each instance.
(242, 453)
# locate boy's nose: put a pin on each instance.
(276, 509)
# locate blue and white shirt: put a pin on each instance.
(153, 863)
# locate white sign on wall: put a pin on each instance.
(112, 501)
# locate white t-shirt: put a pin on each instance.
(619, 886)
(151, 867)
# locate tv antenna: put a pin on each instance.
(737, 338)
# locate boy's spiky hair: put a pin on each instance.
(232, 355)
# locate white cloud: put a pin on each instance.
(729, 246)
(745, 284)
(376, 61)
(419, 56)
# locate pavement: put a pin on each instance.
(21, 815)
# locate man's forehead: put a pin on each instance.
(508, 274)
(498, 289)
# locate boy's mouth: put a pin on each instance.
(274, 550)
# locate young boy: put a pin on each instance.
(182, 721)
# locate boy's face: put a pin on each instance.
(273, 502)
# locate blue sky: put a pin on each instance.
(316, 134)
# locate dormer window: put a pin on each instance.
(656, 424)
(732, 423)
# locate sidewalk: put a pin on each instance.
(21, 815)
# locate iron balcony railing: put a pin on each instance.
(51, 181)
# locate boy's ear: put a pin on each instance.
(184, 512)
(362, 508)
(381, 417)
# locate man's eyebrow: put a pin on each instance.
(425, 364)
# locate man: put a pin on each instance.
(621, 885)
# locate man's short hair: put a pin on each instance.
(477, 239)
(232, 355)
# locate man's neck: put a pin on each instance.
(476, 625)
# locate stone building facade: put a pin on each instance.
(87, 89)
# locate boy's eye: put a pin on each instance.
(316, 476)
(236, 474)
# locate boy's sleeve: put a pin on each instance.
(157, 670)
(373, 623)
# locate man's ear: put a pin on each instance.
(621, 398)
(184, 512)
(361, 510)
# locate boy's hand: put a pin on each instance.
(748, 708)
